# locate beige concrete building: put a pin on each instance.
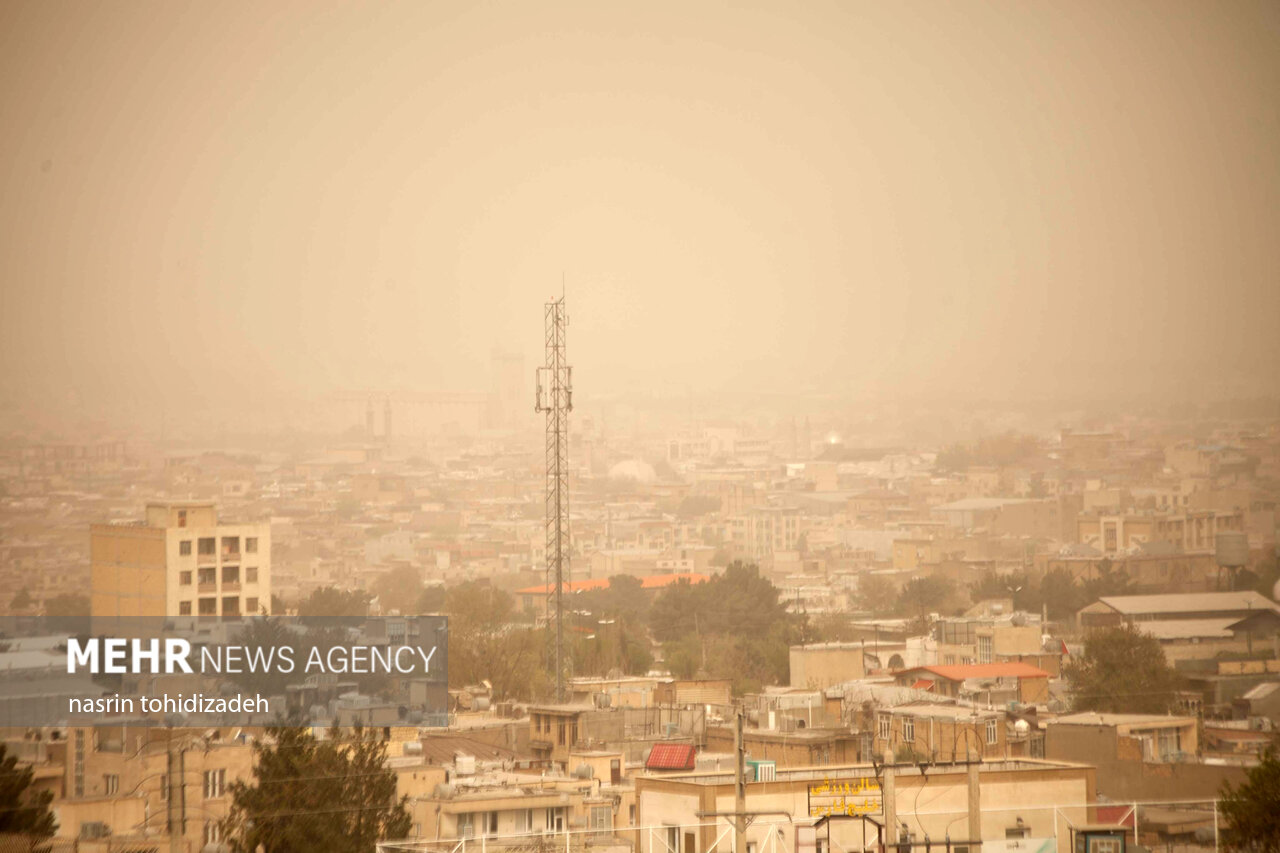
(930, 731)
(846, 805)
(1140, 756)
(821, 665)
(178, 568)
(962, 641)
(1112, 533)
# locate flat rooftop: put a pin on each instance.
(815, 774)
(1092, 718)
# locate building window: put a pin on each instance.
(184, 578)
(251, 574)
(886, 726)
(251, 604)
(110, 784)
(984, 650)
(207, 546)
(230, 546)
(184, 548)
(212, 832)
(208, 607)
(215, 783)
(251, 544)
(992, 731)
(230, 574)
(908, 729)
(524, 820)
(208, 577)
(184, 608)
(182, 518)
(601, 817)
(164, 788)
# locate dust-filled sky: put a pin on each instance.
(248, 200)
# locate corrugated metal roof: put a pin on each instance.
(1189, 602)
(1186, 629)
(443, 748)
(960, 672)
(1261, 691)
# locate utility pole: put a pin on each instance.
(177, 811)
(739, 784)
(555, 398)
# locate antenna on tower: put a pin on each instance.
(554, 396)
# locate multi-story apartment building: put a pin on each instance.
(177, 568)
(1191, 530)
(766, 529)
(936, 732)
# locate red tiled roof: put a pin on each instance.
(671, 756)
(647, 582)
(959, 672)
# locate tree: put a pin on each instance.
(431, 599)
(332, 607)
(616, 619)
(1252, 811)
(67, 614)
(485, 645)
(477, 604)
(696, 505)
(1122, 671)
(1061, 595)
(510, 659)
(399, 589)
(1108, 580)
(265, 637)
(310, 794)
(735, 621)
(876, 595)
(22, 810)
(922, 596)
(1016, 586)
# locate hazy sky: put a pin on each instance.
(858, 197)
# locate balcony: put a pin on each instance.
(207, 618)
(206, 559)
(207, 587)
(233, 616)
(231, 586)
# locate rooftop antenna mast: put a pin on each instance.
(555, 398)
